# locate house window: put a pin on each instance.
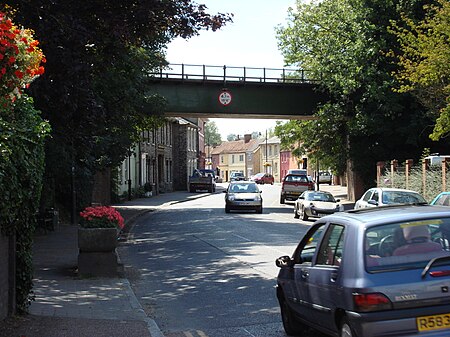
(221, 159)
(241, 157)
(270, 150)
(232, 158)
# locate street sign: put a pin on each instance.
(225, 98)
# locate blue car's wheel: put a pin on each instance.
(346, 329)
(291, 325)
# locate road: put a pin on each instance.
(199, 272)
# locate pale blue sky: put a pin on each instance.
(247, 42)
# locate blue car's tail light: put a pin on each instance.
(371, 302)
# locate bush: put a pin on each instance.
(22, 136)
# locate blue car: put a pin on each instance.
(442, 199)
(370, 272)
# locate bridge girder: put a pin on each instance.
(193, 98)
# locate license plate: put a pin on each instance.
(435, 322)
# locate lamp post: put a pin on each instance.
(129, 175)
(265, 164)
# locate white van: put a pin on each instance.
(297, 171)
(436, 160)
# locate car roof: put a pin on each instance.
(372, 216)
(444, 193)
(391, 189)
(240, 182)
(316, 192)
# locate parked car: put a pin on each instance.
(243, 195)
(442, 199)
(316, 204)
(370, 273)
(237, 176)
(293, 185)
(387, 196)
(263, 178)
(325, 177)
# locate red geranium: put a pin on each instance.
(101, 217)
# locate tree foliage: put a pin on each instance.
(345, 44)
(212, 135)
(424, 60)
(95, 91)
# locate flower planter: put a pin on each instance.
(97, 239)
(97, 256)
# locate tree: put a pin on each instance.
(212, 135)
(344, 43)
(424, 61)
(232, 137)
(95, 92)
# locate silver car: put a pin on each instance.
(371, 272)
(380, 196)
(325, 177)
(316, 204)
(243, 195)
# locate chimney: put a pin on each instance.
(247, 138)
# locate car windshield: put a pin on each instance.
(406, 245)
(442, 200)
(318, 196)
(244, 188)
(259, 175)
(296, 178)
(401, 197)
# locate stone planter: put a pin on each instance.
(97, 255)
(97, 239)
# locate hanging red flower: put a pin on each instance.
(20, 60)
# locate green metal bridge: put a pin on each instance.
(237, 92)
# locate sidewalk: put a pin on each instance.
(68, 306)
(339, 192)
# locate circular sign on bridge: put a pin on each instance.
(225, 98)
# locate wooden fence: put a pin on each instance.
(423, 178)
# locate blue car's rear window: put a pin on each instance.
(406, 245)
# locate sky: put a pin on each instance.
(247, 42)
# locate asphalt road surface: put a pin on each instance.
(199, 272)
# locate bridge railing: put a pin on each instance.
(224, 73)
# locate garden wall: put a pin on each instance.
(7, 276)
